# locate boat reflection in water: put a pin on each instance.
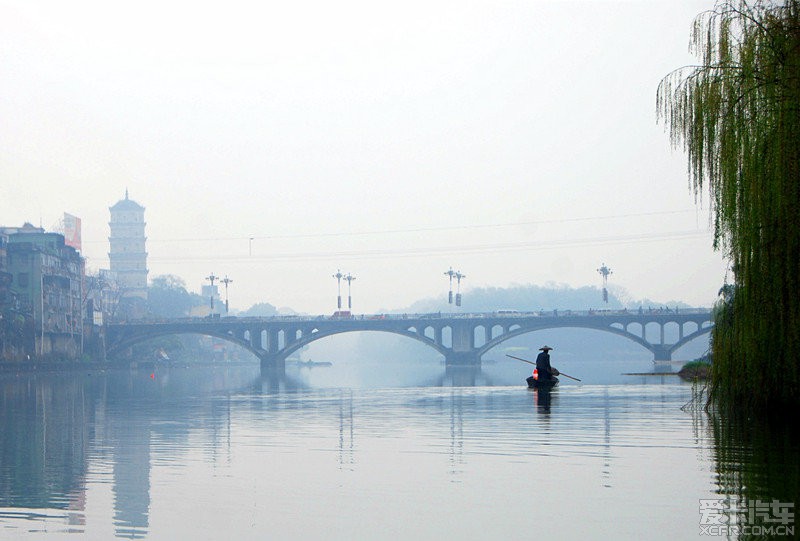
(543, 399)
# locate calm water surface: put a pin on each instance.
(228, 454)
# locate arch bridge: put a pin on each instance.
(461, 338)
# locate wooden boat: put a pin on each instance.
(309, 364)
(541, 384)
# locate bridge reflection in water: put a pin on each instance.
(461, 338)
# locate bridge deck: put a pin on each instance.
(453, 334)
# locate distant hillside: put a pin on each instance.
(531, 298)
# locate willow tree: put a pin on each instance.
(737, 116)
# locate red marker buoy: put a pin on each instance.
(153, 376)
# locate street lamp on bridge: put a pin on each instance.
(226, 281)
(211, 278)
(450, 273)
(459, 276)
(349, 279)
(338, 277)
(604, 272)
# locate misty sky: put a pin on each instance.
(514, 141)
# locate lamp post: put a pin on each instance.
(211, 278)
(41, 299)
(226, 281)
(450, 273)
(338, 277)
(349, 279)
(604, 272)
(459, 276)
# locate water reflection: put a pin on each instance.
(543, 398)
(346, 434)
(44, 436)
(197, 443)
(757, 472)
(130, 455)
(51, 425)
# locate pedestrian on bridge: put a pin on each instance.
(543, 368)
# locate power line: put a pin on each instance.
(439, 250)
(328, 234)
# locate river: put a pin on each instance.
(226, 453)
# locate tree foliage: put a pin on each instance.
(167, 297)
(737, 116)
(261, 309)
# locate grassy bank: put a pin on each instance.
(697, 369)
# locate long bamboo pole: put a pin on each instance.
(529, 362)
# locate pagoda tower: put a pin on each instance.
(127, 247)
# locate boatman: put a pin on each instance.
(543, 368)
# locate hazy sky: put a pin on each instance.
(514, 141)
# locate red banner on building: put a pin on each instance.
(72, 231)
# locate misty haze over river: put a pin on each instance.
(359, 450)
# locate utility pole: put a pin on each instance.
(211, 278)
(41, 299)
(338, 277)
(459, 276)
(226, 281)
(349, 279)
(450, 273)
(604, 272)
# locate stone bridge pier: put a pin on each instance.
(462, 351)
(661, 352)
(272, 363)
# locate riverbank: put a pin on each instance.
(56, 366)
(699, 369)
(102, 366)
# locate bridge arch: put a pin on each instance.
(132, 340)
(657, 349)
(309, 338)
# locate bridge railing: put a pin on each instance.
(500, 314)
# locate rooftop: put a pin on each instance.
(126, 204)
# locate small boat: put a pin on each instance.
(541, 384)
(310, 364)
